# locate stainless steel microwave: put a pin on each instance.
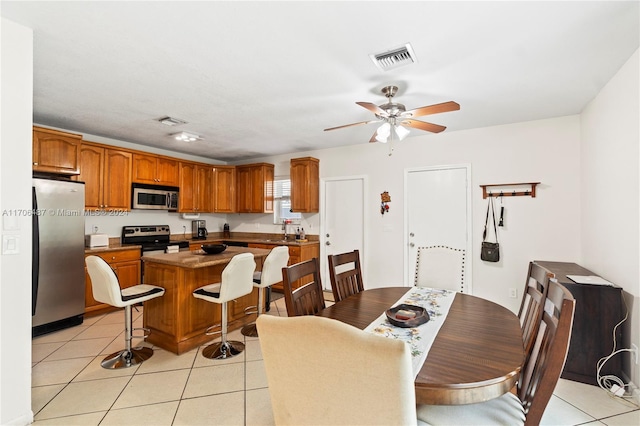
(154, 197)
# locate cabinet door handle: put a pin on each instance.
(35, 164)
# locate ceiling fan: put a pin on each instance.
(394, 116)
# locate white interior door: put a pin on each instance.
(342, 222)
(437, 212)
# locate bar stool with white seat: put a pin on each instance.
(271, 273)
(106, 289)
(236, 281)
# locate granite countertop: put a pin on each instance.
(199, 259)
(111, 247)
(275, 241)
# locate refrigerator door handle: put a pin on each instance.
(35, 253)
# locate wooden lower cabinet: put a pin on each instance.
(178, 320)
(297, 254)
(126, 265)
(598, 309)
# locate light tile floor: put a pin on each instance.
(69, 387)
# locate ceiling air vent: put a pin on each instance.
(394, 58)
(170, 121)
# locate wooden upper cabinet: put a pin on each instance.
(305, 185)
(196, 193)
(224, 188)
(155, 170)
(92, 174)
(255, 188)
(106, 173)
(117, 177)
(55, 151)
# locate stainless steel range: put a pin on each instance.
(155, 238)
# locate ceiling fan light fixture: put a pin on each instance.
(402, 132)
(186, 136)
(383, 132)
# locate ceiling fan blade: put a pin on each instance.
(428, 127)
(373, 138)
(352, 124)
(373, 108)
(432, 109)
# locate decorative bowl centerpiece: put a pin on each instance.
(407, 316)
(213, 248)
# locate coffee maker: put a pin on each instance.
(199, 229)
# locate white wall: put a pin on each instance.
(15, 194)
(610, 127)
(543, 228)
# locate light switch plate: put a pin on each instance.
(10, 223)
(10, 244)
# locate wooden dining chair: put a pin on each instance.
(345, 282)
(325, 372)
(532, 305)
(307, 299)
(538, 378)
(440, 267)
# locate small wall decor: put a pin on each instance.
(384, 204)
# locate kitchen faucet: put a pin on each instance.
(285, 222)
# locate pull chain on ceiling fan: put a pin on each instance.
(395, 116)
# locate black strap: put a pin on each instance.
(486, 221)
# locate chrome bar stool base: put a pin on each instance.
(126, 358)
(250, 330)
(223, 350)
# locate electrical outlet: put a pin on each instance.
(634, 348)
(513, 293)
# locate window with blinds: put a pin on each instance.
(282, 201)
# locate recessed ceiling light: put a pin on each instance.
(170, 121)
(186, 136)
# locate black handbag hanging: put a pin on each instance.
(490, 252)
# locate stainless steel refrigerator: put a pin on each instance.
(57, 279)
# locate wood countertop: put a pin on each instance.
(199, 259)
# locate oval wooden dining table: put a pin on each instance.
(476, 356)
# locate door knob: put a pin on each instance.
(328, 243)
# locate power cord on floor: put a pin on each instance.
(614, 386)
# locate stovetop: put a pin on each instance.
(154, 237)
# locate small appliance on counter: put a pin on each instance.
(225, 231)
(96, 240)
(199, 229)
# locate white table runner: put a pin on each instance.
(437, 303)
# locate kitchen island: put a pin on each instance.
(178, 320)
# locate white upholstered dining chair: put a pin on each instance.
(441, 267)
(324, 372)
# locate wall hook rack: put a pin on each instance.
(510, 192)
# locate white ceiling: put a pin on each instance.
(264, 78)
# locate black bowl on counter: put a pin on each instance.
(213, 248)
